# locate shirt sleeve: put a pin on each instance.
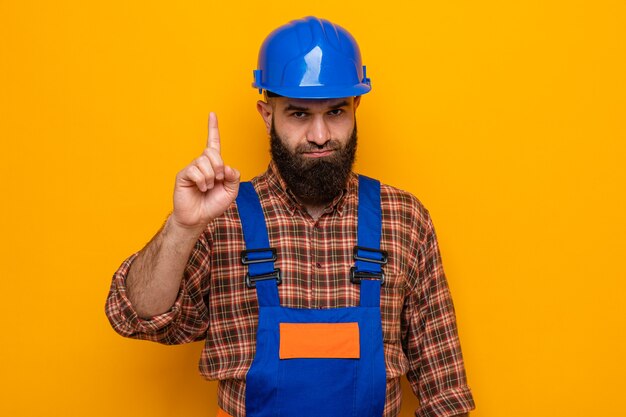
(187, 319)
(431, 342)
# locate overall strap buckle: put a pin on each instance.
(260, 256)
(359, 253)
(357, 276)
(374, 256)
(251, 280)
(246, 259)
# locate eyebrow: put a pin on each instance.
(293, 107)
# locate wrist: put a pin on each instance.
(182, 231)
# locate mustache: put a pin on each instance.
(314, 180)
(331, 145)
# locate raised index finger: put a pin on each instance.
(213, 140)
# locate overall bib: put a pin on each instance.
(311, 362)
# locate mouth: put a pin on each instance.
(319, 153)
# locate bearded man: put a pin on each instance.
(313, 288)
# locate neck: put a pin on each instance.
(315, 210)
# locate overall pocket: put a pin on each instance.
(318, 369)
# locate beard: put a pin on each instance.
(314, 180)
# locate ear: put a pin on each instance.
(357, 100)
(265, 110)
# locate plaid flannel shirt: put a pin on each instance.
(419, 327)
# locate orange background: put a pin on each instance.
(507, 120)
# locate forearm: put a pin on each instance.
(154, 278)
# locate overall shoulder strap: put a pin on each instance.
(258, 256)
(368, 257)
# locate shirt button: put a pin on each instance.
(318, 265)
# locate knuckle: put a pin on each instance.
(195, 172)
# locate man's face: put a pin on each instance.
(313, 143)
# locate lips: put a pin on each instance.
(319, 154)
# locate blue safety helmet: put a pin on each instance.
(311, 58)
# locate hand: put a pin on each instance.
(206, 187)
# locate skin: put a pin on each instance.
(206, 187)
(310, 124)
(203, 190)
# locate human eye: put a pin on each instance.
(298, 114)
(336, 112)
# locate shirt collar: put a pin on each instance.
(279, 188)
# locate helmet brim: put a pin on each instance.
(318, 91)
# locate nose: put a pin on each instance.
(318, 132)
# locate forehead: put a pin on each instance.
(312, 104)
